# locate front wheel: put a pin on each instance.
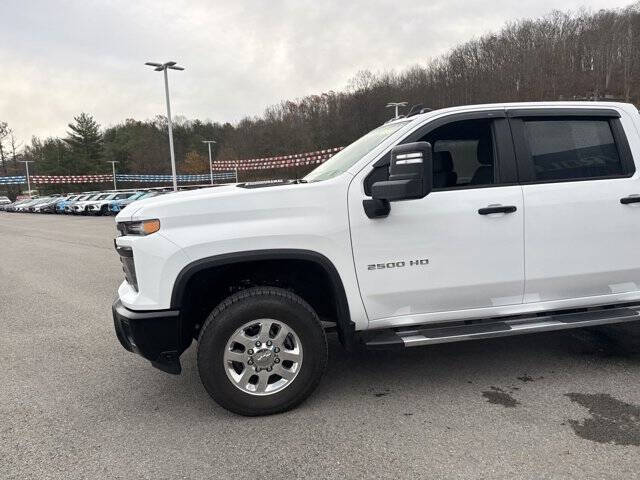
(261, 351)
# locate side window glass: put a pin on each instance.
(570, 149)
(463, 154)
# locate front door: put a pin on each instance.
(446, 252)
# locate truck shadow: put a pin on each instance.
(486, 363)
(496, 371)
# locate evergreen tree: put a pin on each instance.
(85, 142)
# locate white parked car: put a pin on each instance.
(100, 206)
(456, 224)
(80, 207)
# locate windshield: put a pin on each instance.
(347, 157)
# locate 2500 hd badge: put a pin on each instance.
(387, 265)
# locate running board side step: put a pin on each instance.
(425, 335)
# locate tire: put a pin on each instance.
(258, 307)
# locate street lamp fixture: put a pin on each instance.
(26, 164)
(209, 142)
(163, 67)
(396, 105)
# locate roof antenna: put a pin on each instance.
(415, 110)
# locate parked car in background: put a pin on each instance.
(50, 206)
(82, 203)
(68, 208)
(60, 206)
(12, 207)
(41, 201)
(118, 205)
(77, 207)
(24, 207)
(4, 206)
(101, 205)
(37, 207)
(81, 208)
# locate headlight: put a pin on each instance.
(144, 227)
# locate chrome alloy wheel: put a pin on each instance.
(263, 357)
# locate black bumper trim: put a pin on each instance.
(154, 335)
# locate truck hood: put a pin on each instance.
(229, 200)
(142, 209)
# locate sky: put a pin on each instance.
(59, 58)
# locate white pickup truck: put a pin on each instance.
(455, 224)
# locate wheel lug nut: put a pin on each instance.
(250, 361)
(250, 352)
(276, 349)
(276, 360)
(257, 369)
(269, 343)
(269, 369)
(258, 344)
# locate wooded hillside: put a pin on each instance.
(581, 55)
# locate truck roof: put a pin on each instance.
(500, 106)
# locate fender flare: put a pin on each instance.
(345, 326)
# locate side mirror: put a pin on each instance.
(410, 174)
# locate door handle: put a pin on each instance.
(497, 209)
(630, 199)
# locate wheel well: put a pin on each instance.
(317, 283)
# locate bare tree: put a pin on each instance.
(5, 132)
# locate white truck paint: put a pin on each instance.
(567, 244)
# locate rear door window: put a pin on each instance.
(572, 148)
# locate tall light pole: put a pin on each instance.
(209, 142)
(113, 169)
(26, 164)
(163, 67)
(396, 105)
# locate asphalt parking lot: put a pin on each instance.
(75, 404)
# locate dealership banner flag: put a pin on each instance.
(15, 180)
(123, 177)
(225, 170)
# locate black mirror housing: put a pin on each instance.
(410, 173)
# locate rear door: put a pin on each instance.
(581, 239)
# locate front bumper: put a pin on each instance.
(154, 335)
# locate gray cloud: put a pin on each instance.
(62, 57)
